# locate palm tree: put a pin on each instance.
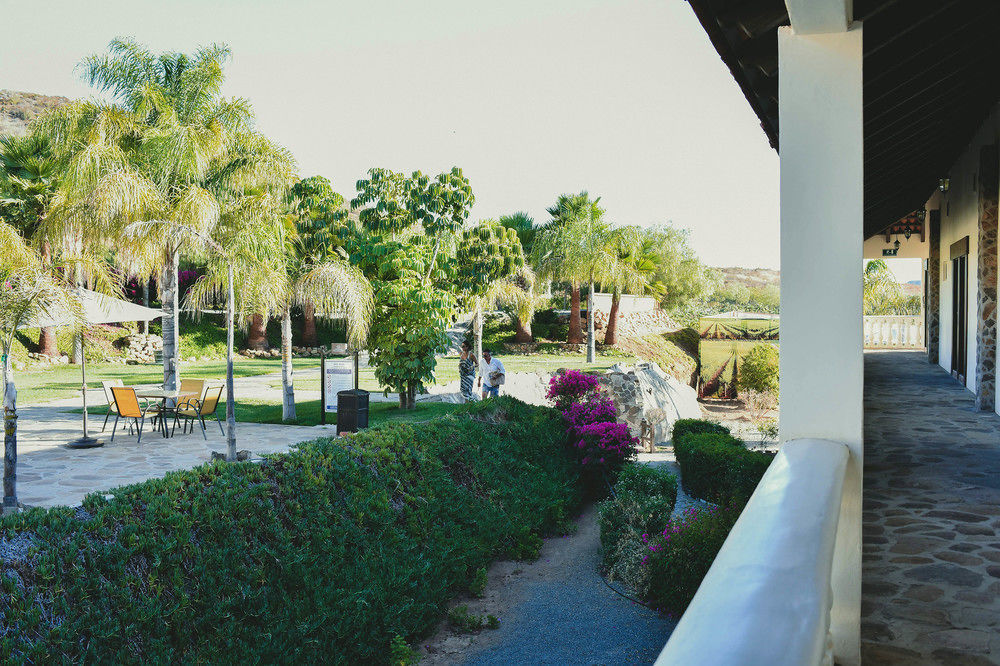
(517, 293)
(317, 278)
(579, 246)
(29, 291)
(524, 225)
(172, 149)
(27, 183)
(552, 262)
(880, 290)
(635, 266)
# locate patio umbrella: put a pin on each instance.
(97, 309)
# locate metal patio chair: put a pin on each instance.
(192, 409)
(127, 407)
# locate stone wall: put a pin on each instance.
(646, 392)
(986, 321)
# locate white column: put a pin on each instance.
(822, 370)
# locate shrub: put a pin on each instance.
(759, 370)
(642, 502)
(549, 325)
(678, 557)
(339, 552)
(596, 410)
(684, 427)
(570, 387)
(604, 445)
(717, 467)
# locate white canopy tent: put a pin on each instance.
(97, 309)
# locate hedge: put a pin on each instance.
(335, 553)
(641, 504)
(715, 466)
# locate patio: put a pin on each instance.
(931, 553)
(49, 474)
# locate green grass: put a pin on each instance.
(43, 385)
(307, 411)
(447, 368)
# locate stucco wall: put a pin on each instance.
(959, 218)
(908, 249)
(627, 305)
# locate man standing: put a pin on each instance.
(494, 374)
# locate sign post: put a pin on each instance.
(338, 375)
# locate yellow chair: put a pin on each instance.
(192, 388)
(110, 397)
(127, 407)
(192, 410)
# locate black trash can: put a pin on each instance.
(352, 410)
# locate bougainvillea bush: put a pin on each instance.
(678, 558)
(572, 387)
(606, 446)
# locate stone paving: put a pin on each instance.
(931, 553)
(49, 474)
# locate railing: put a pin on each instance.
(894, 331)
(767, 597)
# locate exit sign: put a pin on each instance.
(890, 252)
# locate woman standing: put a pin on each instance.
(467, 365)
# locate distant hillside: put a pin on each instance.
(733, 276)
(18, 109)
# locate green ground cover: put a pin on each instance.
(41, 385)
(330, 554)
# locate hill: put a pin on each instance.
(18, 109)
(733, 276)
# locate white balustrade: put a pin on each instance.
(767, 597)
(894, 331)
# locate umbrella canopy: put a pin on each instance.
(97, 309)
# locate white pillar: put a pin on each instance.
(822, 369)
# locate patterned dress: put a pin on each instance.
(467, 373)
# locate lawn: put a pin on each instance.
(447, 368)
(43, 385)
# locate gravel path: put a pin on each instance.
(558, 609)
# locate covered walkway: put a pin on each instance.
(931, 525)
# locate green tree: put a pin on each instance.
(680, 276)
(759, 371)
(488, 255)
(553, 262)
(635, 265)
(171, 148)
(315, 206)
(882, 294)
(404, 223)
(525, 228)
(27, 184)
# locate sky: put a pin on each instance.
(626, 99)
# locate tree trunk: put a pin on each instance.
(9, 438)
(411, 395)
(522, 331)
(402, 399)
(257, 337)
(611, 333)
(287, 389)
(230, 391)
(591, 337)
(144, 325)
(47, 336)
(575, 328)
(308, 325)
(477, 331)
(170, 320)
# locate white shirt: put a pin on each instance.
(495, 365)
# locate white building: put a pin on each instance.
(885, 116)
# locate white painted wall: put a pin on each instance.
(629, 304)
(822, 205)
(959, 218)
(908, 249)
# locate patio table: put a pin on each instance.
(162, 394)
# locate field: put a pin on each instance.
(719, 354)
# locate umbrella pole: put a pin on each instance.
(85, 442)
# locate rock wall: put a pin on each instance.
(646, 392)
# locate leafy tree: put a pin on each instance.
(635, 264)
(524, 225)
(315, 206)
(680, 276)
(171, 148)
(554, 262)
(882, 294)
(404, 223)
(488, 254)
(27, 183)
(759, 371)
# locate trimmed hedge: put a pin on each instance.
(335, 553)
(715, 466)
(641, 505)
